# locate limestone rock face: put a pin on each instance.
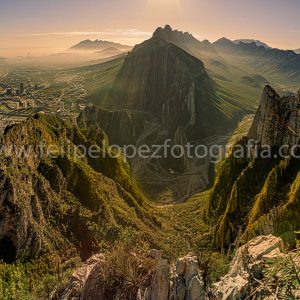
(259, 194)
(164, 283)
(160, 283)
(161, 79)
(277, 121)
(85, 283)
(180, 282)
(247, 262)
(187, 282)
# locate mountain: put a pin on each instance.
(172, 96)
(203, 50)
(281, 66)
(161, 79)
(58, 202)
(109, 52)
(250, 41)
(175, 36)
(89, 45)
(258, 193)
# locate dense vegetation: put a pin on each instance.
(255, 196)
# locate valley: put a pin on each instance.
(60, 205)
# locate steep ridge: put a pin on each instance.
(183, 40)
(249, 41)
(258, 193)
(277, 120)
(56, 200)
(171, 90)
(161, 79)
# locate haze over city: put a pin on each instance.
(50, 26)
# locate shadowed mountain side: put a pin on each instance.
(163, 80)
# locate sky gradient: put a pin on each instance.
(58, 24)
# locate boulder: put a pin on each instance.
(247, 263)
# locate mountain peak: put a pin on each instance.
(224, 42)
(159, 31)
(250, 41)
(98, 44)
(179, 38)
(276, 121)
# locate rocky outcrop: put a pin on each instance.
(86, 282)
(277, 121)
(247, 265)
(187, 282)
(182, 281)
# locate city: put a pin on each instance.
(26, 91)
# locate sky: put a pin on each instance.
(40, 25)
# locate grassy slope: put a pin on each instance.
(183, 225)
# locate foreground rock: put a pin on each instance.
(181, 281)
(247, 266)
(85, 282)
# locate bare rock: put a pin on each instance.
(85, 280)
(160, 283)
(195, 289)
(155, 254)
(276, 122)
(247, 263)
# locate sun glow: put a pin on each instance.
(164, 5)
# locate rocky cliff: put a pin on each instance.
(258, 193)
(277, 121)
(163, 80)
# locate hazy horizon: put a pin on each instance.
(49, 27)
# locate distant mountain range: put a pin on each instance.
(89, 45)
(264, 60)
(108, 52)
(249, 41)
